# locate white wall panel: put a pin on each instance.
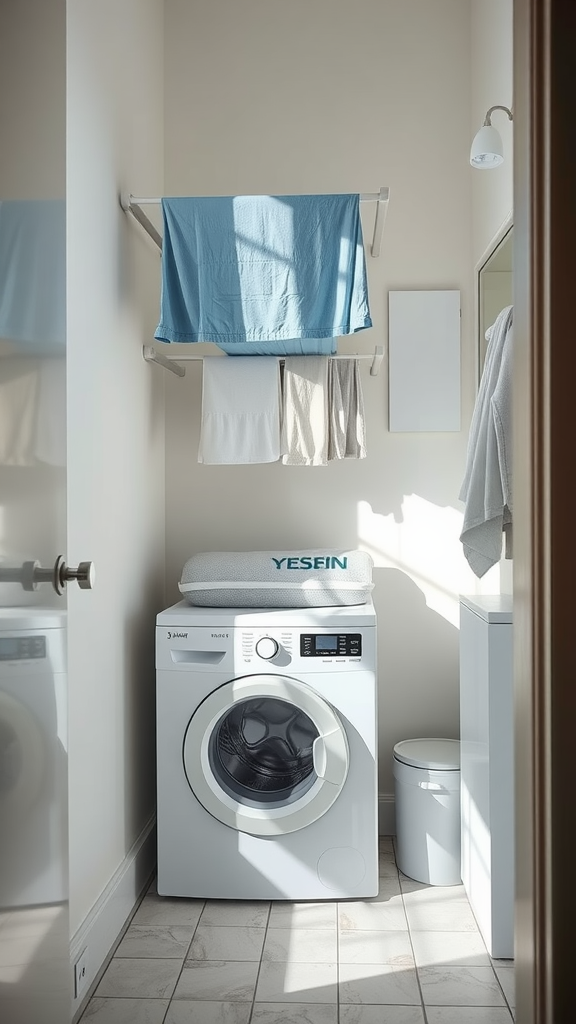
(424, 360)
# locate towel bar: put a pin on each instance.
(152, 355)
(132, 204)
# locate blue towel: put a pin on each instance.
(290, 347)
(33, 274)
(241, 269)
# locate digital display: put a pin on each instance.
(8, 648)
(331, 645)
(22, 648)
(326, 643)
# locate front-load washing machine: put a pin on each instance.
(33, 757)
(266, 729)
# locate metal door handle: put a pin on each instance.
(84, 574)
(30, 574)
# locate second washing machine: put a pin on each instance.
(267, 740)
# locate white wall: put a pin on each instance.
(329, 96)
(491, 75)
(492, 191)
(116, 433)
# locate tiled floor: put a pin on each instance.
(411, 955)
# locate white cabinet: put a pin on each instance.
(487, 766)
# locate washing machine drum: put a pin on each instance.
(263, 748)
(22, 759)
(266, 755)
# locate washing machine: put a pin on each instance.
(33, 757)
(267, 753)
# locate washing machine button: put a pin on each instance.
(266, 647)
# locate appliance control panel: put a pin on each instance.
(331, 645)
(297, 648)
(22, 648)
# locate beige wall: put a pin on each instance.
(329, 96)
(116, 435)
(491, 79)
(492, 193)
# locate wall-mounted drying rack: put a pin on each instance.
(152, 355)
(133, 204)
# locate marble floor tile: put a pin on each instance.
(436, 916)
(161, 941)
(441, 893)
(301, 944)
(217, 980)
(236, 913)
(163, 911)
(387, 866)
(389, 888)
(303, 915)
(297, 983)
(366, 1014)
(460, 986)
(189, 1011)
(143, 979)
(375, 947)
(124, 1011)
(431, 895)
(294, 1013)
(468, 1015)
(225, 942)
(380, 913)
(449, 949)
(506, 977)
(377, 983)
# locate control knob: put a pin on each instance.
(266, 647)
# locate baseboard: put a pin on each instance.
(102, 928)
(386, 814)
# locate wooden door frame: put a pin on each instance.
(544, 551)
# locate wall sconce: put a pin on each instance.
(487, 150)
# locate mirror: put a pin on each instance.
(494, 288)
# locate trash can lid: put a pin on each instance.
(438, 755)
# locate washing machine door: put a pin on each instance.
(22, 759)
(266, 755)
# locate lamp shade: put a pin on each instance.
(487, 150)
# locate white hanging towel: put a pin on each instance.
(305, 411)
(487, 487)
(347, 426)
(19, 384)
(240, 410)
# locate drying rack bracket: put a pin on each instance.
(152, 355)
(133, 205)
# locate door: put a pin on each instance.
(34, 933)
(544, 372)
(266, 755)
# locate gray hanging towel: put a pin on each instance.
(347, 426)
(305, 411)
(487, 487)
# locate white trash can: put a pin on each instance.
(427, 795)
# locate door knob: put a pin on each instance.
(30, 574)
(84, 575)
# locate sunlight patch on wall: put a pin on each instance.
(426, 546)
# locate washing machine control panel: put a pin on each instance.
(330, 645)
(22, 648)
(294, 647)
